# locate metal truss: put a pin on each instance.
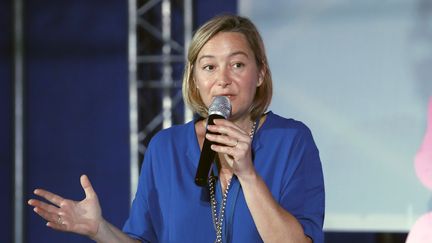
(18, 116)
(159, 30)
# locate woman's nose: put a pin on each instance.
(223, 77)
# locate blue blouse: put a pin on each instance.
(170, 207)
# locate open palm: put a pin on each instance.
(82, 217)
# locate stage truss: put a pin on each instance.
(159, 30)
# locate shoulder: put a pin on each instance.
(282, 125)
(171, 134)
(287, 131)
(164, 143)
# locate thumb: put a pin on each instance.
(86, 185)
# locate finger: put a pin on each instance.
(225, 131)
(45, 206)
(61, 227)
(230, 125)
(52, 217)
(223, 149)
(235, 151)
(225, 140)
(51, 197)
(87, 186)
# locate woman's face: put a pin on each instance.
(226, 66)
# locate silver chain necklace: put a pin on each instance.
(218, 220)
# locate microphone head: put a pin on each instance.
(221, 105)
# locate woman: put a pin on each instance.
(270, 185)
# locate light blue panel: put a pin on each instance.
(356, 72)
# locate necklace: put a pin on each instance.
(218, 220)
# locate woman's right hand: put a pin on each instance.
(82, 217)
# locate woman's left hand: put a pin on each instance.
(234, 143)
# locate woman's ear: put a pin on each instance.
(260, 80)
(261, 76)
(195, 83)
(193, 76)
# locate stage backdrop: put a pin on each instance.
(6, 115)
(356, 73)
(77, 106)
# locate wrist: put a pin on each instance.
(248, 178)
(101, 229)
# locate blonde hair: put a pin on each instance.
(228, 23)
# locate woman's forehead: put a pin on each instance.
(227, 44)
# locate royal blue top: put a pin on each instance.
(170, 207)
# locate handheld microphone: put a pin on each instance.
(220, 108)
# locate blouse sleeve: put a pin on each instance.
(303, 193)
(139, 225)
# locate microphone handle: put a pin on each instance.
(207, 156)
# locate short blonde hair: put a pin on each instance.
(228, 23)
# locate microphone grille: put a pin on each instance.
(221, 105)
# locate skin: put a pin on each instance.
(81, 217)
(225, 66)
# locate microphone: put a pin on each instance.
(220, 108)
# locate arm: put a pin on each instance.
(272, 219)
(83, 217)
(301, 197)
(108, 233)
(273, 222)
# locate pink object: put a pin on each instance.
(423, 159)
(421, 232)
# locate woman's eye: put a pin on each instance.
(238, 65)
(208, 67)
